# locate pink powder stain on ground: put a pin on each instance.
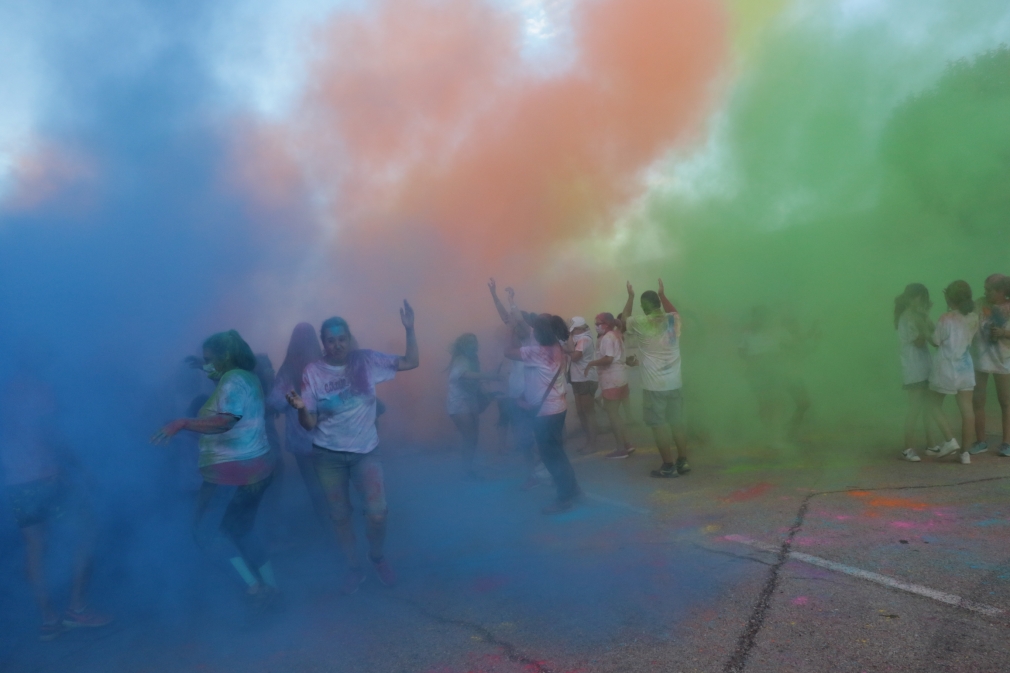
(801, 600)
(483, 585)
(843, 517)
(903, 524)
(749, 493)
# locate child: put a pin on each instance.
(911, 320)
(991, 355)
(952, 371)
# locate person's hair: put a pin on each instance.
(459, 350)
(958, 295)
(231, 350)
(1000, 283)
(912, 292)
(607, 319)
(560, 328)
(303, 348)
(265, 372)
(651, 298)
(543, 331)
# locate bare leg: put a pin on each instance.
(375, 530)
(585, 407)
(940, 418)
(664, 442)
(468, 429)
(978, 403)
(316, 494)
(680, 439)
(914, 416)
(1003, 395)
(35, 550)
(82, 560)
(964, 403)
(613, 409)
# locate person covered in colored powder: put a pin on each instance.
(545, 401)
(991, 355)
(581, 351)
(613, 377)
(234, 451)
(466, 401)
(44, 483)
(911, 320)
(952, 371)
(658, 335)
(510, 411)
(337, 405)
(303, 349)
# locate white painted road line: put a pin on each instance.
(949, 599)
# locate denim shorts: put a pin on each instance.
(662, 407)
(38, 501)
(337, 469)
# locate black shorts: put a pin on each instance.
(38, 501)
(582, 388)
(508, 410)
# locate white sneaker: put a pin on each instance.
(965, 458)
(910, 455)
(945, 449)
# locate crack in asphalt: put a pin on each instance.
(510, 651)
(745, 643)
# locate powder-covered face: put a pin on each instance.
(212, 365)
(336, 345)
(992, 293)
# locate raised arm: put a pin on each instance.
(502, 311)
(412, 358)
(208, 425)
(667, 304)
(630, 304)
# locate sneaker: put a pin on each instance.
(965, 458)
(978, 447)
(629, 449)
(559, 507)
(51, 630)
(618, 454)
(945, 449)
(1004, 450)
(72, 619)
(540, 472)
(910, 455)
(531, 483)
(384, 571)
(667, 471)
(352, 581)
(933, 450)
(682, 466)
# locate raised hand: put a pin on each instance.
(407, 315)
(170, 430)
(194, 362)
(511, 295)
(631, 290)
(295, 400)
(661, 291)
(492, 286)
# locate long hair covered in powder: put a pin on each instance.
(303, 348)
(232, 349)
(460, 349)
(912, 292)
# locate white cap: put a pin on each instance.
(577, 322)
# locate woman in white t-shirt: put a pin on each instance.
(337, 406)
(544, 398)
(613, 377)
(911, 320)
(465, 400)
(991, 355)
(234, 451)
(581, 351)
(952, 371)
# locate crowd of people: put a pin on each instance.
(325, 391)
(970, 342)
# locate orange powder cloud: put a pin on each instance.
(445, 157)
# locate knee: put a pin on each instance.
(377, 519)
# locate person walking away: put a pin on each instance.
(581, 351)
(911, 320)
(465, 401)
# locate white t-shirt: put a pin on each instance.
(615, 374)
(461, 398)
(584, 344)
(659, 347)
(346, 416)
(238, 394)
(952, 368)
(542, 363)
(27, 426)
(517, 379)
(915, 360)
(992, 357)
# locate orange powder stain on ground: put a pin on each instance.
(873, 500)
